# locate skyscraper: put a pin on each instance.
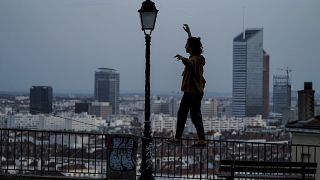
(40, 99)
(282, 96)
(106, 87)
(247, 83)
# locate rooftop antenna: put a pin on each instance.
(243, 28)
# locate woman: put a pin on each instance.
(193, 84)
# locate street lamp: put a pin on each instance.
(148, 15)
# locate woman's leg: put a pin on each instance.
(182, 115)
(196, 116)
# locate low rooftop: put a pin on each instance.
(310, 125)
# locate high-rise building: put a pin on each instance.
(40, 99)
(306, 102)
(247, 82)
(106, 87)
(266, 70)
(282, 96)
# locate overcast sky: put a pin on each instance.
(61, 42)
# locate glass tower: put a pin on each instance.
(40, 99)
(247, 79)
(106, 87)
(282, 96)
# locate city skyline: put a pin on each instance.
(60, 43)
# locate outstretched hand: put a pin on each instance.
(187, 29)
(179, 57)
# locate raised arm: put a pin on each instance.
(187, 29)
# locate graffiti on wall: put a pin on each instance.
(121, 156)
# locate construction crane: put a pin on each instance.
(288, 71)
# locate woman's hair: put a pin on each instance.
(195, 44)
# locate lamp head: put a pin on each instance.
(148, 15)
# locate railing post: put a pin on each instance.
(41, 153)
(1, 147)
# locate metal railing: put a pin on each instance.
(185, 161)
(50, 153)
(74, 154)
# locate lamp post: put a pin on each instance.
(148, 16)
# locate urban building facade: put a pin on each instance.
(166, 123)
(40, 99)
(306, 102)
(247, 80)
(3, 120)
(64, 121)
(170, 106)
(106, 87)
(317, 110)
(266, 72)
(163, 123)
(100, 109)
(26, 121)
(81, 107)
(160, 106)
(209, 108)
(173, 106)
(282, 96)
(165, 106)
